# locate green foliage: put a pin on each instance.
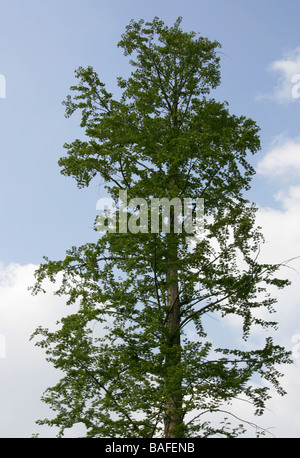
(130, 369)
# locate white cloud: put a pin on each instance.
(287, 88)
(24, 372)
(281, 228)
(282, 159)
(281, 418)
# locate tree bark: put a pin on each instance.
(173, 419)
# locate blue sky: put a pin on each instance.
(43, 213)
(42, 43)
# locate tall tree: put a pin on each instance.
(130, 366)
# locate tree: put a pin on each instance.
(130, 367)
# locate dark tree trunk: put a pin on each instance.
(173, 419)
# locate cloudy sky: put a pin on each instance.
(43, 213)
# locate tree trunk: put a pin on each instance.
(173, 419)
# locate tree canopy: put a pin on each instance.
(130, 365)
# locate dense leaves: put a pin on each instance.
(134, 351)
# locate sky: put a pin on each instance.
(44, 213)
